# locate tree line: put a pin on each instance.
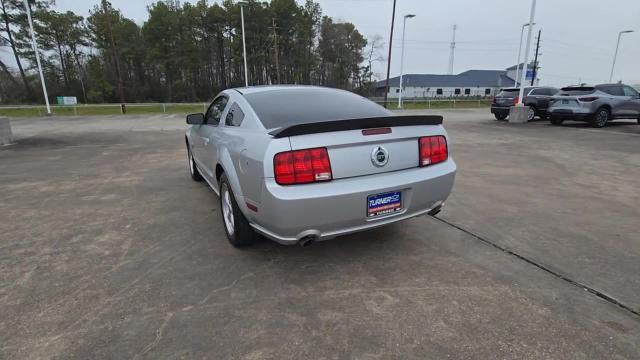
(183, 52)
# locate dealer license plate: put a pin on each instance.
(384, 204)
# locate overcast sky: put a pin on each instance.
(578, 36)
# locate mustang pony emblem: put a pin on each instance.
(379, 156)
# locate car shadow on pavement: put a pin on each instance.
(613, 124)
(361, 244)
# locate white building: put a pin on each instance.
(471, 83)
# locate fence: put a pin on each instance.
(105, 109)
(186, 108)
(450, 103)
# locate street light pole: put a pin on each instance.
(244, 47)
(520, 53)
(615, 55)
(35, 50)
(526, 54)
(404, 28)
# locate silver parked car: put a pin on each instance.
(299, 164)
(595, 104)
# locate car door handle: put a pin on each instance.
(206, 141)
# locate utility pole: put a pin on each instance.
(386, 88)
(535, 61)
(35, 50)
(519, 113)
(453, 47)
(114, 53)
(277, 50)
(519, 53)
(526, 53)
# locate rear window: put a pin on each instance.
(286, 107)
(544, 91)
(508, 93)
(572, 91)
(512, 93)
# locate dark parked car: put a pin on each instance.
(595, 104)
(536, 98)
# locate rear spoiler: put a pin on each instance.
(355, 124)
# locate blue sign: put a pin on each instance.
(530, 74)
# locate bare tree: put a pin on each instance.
(374, 54)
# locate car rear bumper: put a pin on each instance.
(570, 114)
(500, 110)
(323, 211)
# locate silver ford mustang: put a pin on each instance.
(299, 164)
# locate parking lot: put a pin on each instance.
(109, 250)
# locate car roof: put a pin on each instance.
(269, 88)
(282, 106)
(611, 84)
(528, 87)
(593, 86)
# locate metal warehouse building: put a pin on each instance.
(471, 83)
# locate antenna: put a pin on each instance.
(453, 47)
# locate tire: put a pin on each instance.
(236, 227)
(600, 118)
(193, 169)
(555, 120)
(500, 116)
(531, 113)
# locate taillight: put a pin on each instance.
(588, 99)
(515, 100)
(433, 150)
(302, 166)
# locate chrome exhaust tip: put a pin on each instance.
(307, 240)
(436, 209)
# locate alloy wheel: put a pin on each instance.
(602, 117)
(191, 170)
(227, 209)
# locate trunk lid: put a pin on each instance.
(353, 154)
(507, 97)
(568, 97)
(564, 102)
(504, 101)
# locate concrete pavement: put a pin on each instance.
(109, 250)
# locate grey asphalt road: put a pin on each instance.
(109, 250)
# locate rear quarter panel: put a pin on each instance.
(251, 156)
(242, 152)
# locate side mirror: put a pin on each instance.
(195, 119)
